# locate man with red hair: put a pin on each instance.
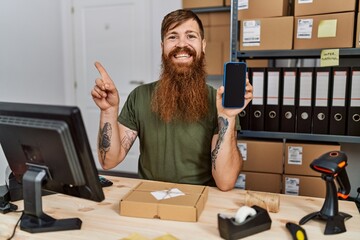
(186, 135)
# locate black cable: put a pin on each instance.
(17, 223)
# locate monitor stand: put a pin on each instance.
(34, 220)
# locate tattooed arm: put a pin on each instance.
(226, 159)
(114, 139)
(114, 142)
(225, 156)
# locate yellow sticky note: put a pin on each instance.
(327, 28)
(329, 57)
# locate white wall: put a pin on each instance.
(33, 63)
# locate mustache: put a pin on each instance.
(185, 49)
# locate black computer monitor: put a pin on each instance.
(46, 147)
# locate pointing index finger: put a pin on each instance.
(104, 75)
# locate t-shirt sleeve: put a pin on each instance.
(127, 116)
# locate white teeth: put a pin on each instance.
(182, 56)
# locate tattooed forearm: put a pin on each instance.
(223, 126)
(105, 140)
(128, 140)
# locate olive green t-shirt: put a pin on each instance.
(174, 152)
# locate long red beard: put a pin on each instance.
(181, 93)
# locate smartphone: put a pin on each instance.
(234, 82)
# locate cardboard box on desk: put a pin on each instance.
(163, 200)
(324, 31)
(275, 33)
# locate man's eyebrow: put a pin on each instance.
(191, 31)
(187, 32)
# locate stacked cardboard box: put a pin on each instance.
(201, 3)
(217, 36)
(265, 25)
(324, 24)
(262, 169)
(299, 178)
(278, 167)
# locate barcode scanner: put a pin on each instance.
(332, 165)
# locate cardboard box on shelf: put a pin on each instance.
(220, 33)
(263, 9)
(164, 200)
(304, 7)
(217, 35)
(263, 182)
(201, 3)
(262, 156)
(257, 63)
(303, 186)
(324, 31)
(205, 18)
(357, 36)
(299, 156)
(219, 18)
(213, 57)
(267, 33)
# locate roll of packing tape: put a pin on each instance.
(243, 213)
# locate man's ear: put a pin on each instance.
(203, 45)
(162, 46)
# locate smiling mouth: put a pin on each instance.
(182, 56)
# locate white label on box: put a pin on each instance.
(292, 186)
(165, 194)
(304, 30)
(243, 150)
(251, 33)
(295, 155)
(241, 181)
(243, 4)
(304, 1)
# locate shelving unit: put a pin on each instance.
(348, 53)
(289, 54)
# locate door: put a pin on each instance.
(116, 33)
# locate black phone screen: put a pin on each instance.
(234, 83)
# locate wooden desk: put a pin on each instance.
(103, 221)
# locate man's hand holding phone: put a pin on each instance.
(236, 91)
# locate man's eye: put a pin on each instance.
(172, 37)
(190, 36)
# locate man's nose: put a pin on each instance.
(182, 42)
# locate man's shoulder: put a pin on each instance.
(210, 88)
(147, 87)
